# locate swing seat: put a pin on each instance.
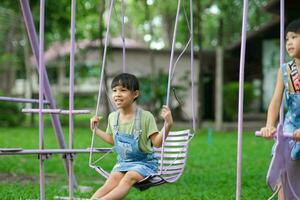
(173, 161)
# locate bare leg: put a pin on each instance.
(280, 194)
(119, 192)
(112, 181)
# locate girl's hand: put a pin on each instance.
(167, 115)
(296, 135)
(268, 131)
(94, 121)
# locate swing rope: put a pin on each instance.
(101, 80)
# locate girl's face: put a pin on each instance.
(293, 44)
(123, 97)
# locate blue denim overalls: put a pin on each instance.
(130, 157)
(292, 117)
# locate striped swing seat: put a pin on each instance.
(171, 158)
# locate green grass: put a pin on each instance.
(210, 172)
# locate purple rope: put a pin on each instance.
(123, 37)
(169, 77)
(172, 53)
(178, 58)
(102, 75)
(241, 99)
(41, 97)
(71, 98)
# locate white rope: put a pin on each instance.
(169, 78)
(275, 193)
(101, 78)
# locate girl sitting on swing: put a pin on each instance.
(133, 132)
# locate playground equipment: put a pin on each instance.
(173, 152)
(45, 92)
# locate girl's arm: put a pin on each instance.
(105, 136)
(274, 108)
(157, 138)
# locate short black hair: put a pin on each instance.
(126, 80)
(294, 26)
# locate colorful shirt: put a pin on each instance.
(293, 77)
(148, 127)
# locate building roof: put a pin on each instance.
(271, 29)
(291, 7)
(265, 31)
(60, 49)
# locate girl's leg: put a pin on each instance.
(280, 194)
(119, 192)
(112, 181)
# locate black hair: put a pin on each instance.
(126, 80)
(294, 26)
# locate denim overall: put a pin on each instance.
(130, 157)
(292, 117)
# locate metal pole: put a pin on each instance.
(47, 91)
(41, 97)
(71, 99)
(282, 46)
(241, 100)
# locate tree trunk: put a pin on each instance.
(219, 80)
(219, 89)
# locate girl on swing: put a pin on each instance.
(133, 132)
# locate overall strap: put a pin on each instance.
(285, 77)
(116, 122)
(137, 123)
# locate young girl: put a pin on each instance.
(288, 82)
(133, 132)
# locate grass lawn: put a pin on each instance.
(210, 172)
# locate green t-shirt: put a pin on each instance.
(148, 127)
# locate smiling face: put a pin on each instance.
(123, 97)
(293, 44)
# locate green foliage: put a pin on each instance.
(10, 114)
(82, 101)
(154, 90)
(8, 61)
(231, 93)
(230, 12)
